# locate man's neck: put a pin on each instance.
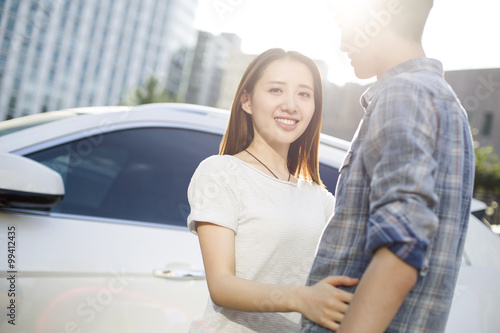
(405, 51)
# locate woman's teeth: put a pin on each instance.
(286, 121)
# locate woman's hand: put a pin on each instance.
(325, 304)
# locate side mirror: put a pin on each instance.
(26, 183)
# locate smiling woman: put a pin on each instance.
(260, 197)
(286, 87)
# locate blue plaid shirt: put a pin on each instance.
(406, 184)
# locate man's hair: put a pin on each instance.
(410, 23)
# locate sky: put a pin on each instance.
(463, 34)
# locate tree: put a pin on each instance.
(487, 181)
(150, 92)
(487, 170)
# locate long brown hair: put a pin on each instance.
(303, 160)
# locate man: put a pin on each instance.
(403, 197)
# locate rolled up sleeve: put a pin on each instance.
(399, 159)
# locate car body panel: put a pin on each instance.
(85, 271)
(476, 300)
(482, 246)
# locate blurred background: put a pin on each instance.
(57, 54)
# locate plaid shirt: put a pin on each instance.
(406, 184)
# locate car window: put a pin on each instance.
(329, 176)
(136, 174)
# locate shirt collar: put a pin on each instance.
(412, 65)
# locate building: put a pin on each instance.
(231, 77)
(210, 59)
(477, 89)
(181, 39)
(59, 54)
(479, 92)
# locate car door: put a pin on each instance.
(115, 254)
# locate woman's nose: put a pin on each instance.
(289, 105)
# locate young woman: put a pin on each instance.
(259, 207)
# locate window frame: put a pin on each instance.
(120, 127)
(93, 132)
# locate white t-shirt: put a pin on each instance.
(277, 227)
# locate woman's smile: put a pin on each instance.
(287, 123)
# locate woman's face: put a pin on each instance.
(282, 103)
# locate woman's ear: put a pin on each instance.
(245, 102)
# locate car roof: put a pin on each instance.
(20, 123)
(96, 120)
(39, 128)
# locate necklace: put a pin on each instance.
(266, 166)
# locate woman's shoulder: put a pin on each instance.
(217, 166)
(215, 162)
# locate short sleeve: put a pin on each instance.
(211, 195)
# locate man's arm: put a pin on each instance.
(380, 293)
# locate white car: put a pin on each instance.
(93, 232)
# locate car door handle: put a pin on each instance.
(180, 274)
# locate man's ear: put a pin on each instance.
(245, 102)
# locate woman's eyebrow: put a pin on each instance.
(303, 85)
(276, 82)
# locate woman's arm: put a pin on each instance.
(321, 303)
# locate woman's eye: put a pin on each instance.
(305, 94)
(275, 90)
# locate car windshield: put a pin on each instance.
(17, 124)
